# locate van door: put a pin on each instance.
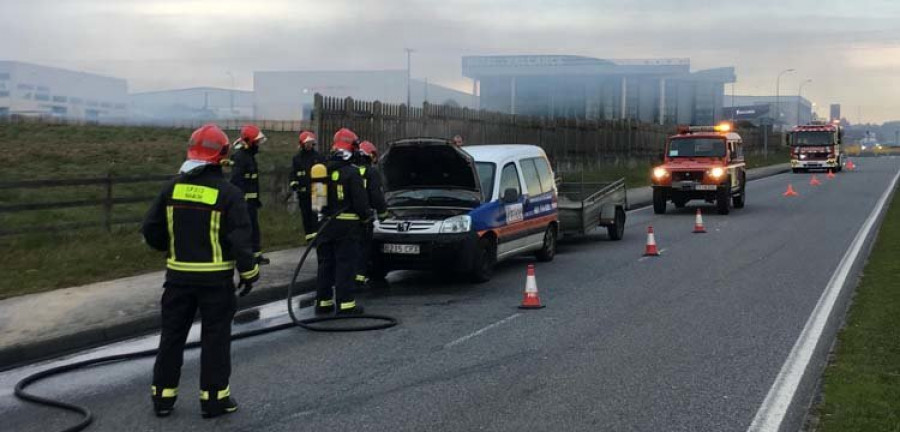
(510, 236)
(539, 211)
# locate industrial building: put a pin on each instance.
(659, 91)
(31, 90)
(758, 110)
(289, 95)
(199, 103)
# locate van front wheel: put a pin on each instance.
(486, 257)
(548, 249)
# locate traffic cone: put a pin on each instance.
(814, 181)
(531, 299)
(830, 174)
(850, 165)
(698, 223)
(790, 191)
(651, 243)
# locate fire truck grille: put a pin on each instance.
(687, 176)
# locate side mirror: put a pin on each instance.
(510, 196)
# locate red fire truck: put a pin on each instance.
(816, 146)
(701, 162)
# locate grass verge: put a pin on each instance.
(861, 385)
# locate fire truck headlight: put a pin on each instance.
(660, 173)
(717, 172)
(802, 156)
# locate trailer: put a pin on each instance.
(585, 206)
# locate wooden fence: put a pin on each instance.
(569, 143)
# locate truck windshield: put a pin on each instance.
(813, 138)
(486, 176)
(697, 147)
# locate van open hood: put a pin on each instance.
(428, 163)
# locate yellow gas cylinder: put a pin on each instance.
(318, 177)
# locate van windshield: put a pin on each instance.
(697, 147)
(486, 176)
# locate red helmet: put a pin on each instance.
(252, 136)
(368, 149)
(307, 137)
(345, 140)
(208, 144)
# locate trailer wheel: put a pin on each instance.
(659, 200)
(617, 230)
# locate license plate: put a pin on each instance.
(706, 187)
(403, 249)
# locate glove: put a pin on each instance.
(295, 186)
(245, 286)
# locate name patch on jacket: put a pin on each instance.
(195, 193)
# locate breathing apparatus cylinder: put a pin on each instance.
(318, 177)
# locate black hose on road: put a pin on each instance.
(308, 324)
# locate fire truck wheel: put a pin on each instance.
(738, 200)
(723, 200)
(659, 201)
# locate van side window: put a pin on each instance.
(546, 176)
(532, 180)
(509, 179)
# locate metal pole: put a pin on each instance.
(800, 97)
(777, 106)
(231, 94)
(409, 52)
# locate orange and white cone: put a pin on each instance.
(814, 181)
(850, 165)
(698, 223)
(531, 300)
(651, 243)
(830, 174)
(790, 191)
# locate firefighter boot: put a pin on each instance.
(215, 404)
(163, 401)
(324, 307)
(262, 260)
(350, 308)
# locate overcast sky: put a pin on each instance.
(849, 48)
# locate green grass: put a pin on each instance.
(43, 262)
(861, 386)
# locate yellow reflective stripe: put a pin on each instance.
(195, 193)
(360, 278)
(199, 267)
(340, 192)
(326, 303)
(310, 236)
(335, 176)
(251, 195)
(221, 394)
(215, 221)
(347, 216)
(250, 273)
(170, 221)
(166, 392)
(301, 173)
(294, 183)
(362, 170)
(251, 175)
(348, 305)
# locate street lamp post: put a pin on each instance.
(409, 52)
(231, 95)
(800, 97)
(777, 106)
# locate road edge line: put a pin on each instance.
(771, 415)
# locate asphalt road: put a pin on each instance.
(689, 341)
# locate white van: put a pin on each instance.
(461, 210)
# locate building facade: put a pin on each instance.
(289, 95)
(782, 112)
(199, 103)
(835, 112)
(31, 90)
(661, 91)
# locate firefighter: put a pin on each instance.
(458, 140)
(245, 175)
(306, 157)
(339, 241)
(367, 159)
(201, 220)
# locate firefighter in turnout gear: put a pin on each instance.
(201, 221)
(303, 161)
(339, 241)
(367, 160)
(245, 175)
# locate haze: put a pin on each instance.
(851, 50)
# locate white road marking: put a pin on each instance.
(774, 408)
(646, 257)
(476, 333)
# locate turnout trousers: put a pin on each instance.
(310, 218)
(253, 211)
(179, 303)
(338, 254)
